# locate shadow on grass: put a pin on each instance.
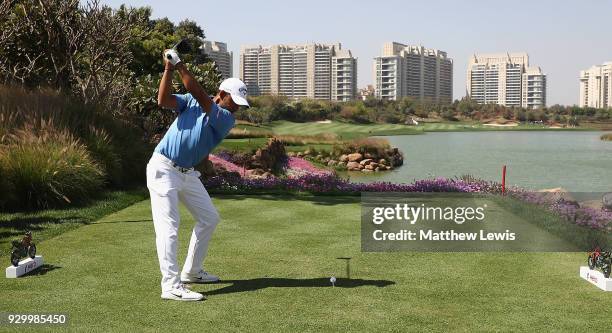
(327, 200)
(20, 225)
(122, 221)
(42, 270)
(262, 283)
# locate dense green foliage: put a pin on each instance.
(270, 108)
(55, 151)
(102, 56)
(78, 97)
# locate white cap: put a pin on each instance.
(237, 89)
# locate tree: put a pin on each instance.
(36, 51)
(82, 50)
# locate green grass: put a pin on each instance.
(46, 224)
(263, 128)
(246, 144)
(343, 130)
(349, 131)
(276, 254)
(318, 147)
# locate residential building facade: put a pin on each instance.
(256, 70)
(224, 59)
(344, 76)
(505, 79)
(596, 86)
(318, 71)
(534, 88)
(413, 71)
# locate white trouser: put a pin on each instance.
(167, 185)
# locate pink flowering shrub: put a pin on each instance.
(229, 166)
(298, 167)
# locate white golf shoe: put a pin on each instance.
(181, 293)
(201, 277)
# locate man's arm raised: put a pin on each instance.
(164, 96)
(193, 86)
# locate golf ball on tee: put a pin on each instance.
(332, 279)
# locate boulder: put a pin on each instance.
(369, 167)
(368, 155)
(355, 157)
(299, 154)
(307, 152)
(319, 157)
(331, 163)
(377, 169)
(366, 161)
(344, 158)
(382, 161)
(352, 166)
(373, 164)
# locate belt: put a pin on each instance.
(164, 159)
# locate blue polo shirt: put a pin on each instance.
(194, 134)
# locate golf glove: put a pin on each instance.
(172, 56)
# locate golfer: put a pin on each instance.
(202, 123)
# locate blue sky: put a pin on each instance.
(562, 37)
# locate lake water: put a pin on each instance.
(576, 161)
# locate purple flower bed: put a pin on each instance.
(302, 176)
(329, 182)
(600, 219)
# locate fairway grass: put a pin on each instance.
(343, 130)
(276, 254)
(348, 130)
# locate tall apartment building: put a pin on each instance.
(506, 79)
(256, 69)
(319, 71)
(413, 71)
(224, 60)
(344, 76)
(534, 88)
(596, 86)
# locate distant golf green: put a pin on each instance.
(344, 130)
(276, 255)
(348, 130)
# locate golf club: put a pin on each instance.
(182, 47)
